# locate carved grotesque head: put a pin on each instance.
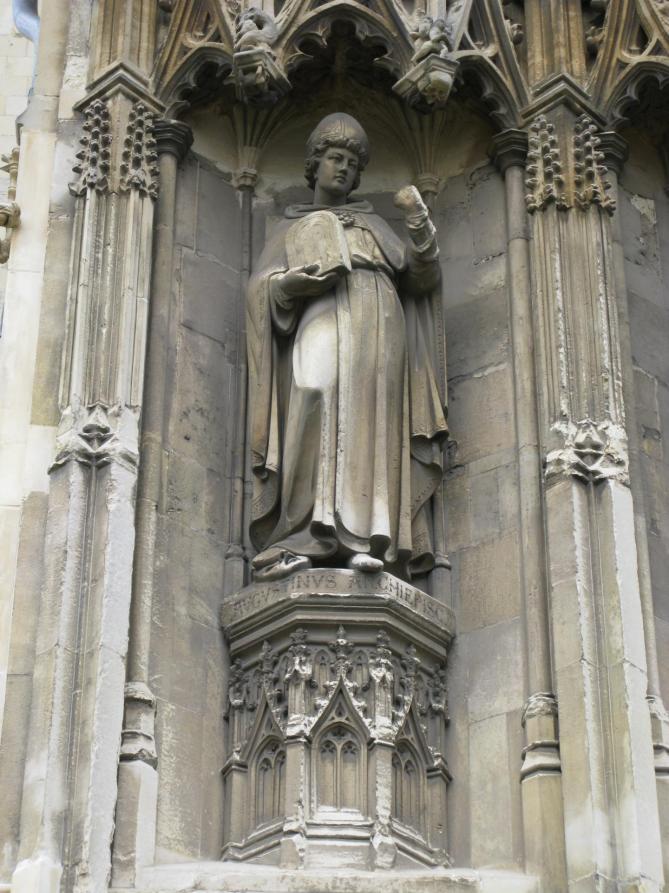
(339, 130)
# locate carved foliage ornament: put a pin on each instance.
(590, 171)
(137, 164)
(94, 157)
(97, 435)
(382, 686)
(139, 158)
(592, 452)
(546, 178)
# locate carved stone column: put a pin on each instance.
(134, 840)
(77, 708)
(540, 769)
(610, 801)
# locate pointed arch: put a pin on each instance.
(340, 741)
(200, 74)
(626, 91)
(264, 726)
(503, 105)
(390, 30)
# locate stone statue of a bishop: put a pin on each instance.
(347, 420)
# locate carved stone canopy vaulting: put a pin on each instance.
(500, 46)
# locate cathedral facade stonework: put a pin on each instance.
(334, 447)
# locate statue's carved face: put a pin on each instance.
(337, 171)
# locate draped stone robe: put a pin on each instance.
(346, 417)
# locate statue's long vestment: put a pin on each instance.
(346, 418)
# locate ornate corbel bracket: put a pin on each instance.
(10, 213)
(429, 83)
(592, 452)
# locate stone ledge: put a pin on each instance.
(220, 877)
(326, 587)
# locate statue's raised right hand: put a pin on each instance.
(306, 282)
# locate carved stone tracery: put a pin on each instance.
(300, 680)
(365, 709)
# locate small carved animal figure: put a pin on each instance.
(255, 30)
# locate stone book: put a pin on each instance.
(319, 239)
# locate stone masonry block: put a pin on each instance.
(212, 300)
(45, 410)
(30, 568)
(458, 510)
(456, 238)
(477, 334)
(178, 736)
(495, 653)
(484, 493)
(489, 583)
(649, 325)
(206, 580)
(492, 839)
(487, 213)
(203, 401)
(186, 202)
(481, 414)
(217, 201)
(647, 413)
(186, 490)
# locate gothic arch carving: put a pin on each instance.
(369, 27)
(408, 787)
(202, 73)
(339, 755)
(627, 90)
(268, 782)
(339, 758)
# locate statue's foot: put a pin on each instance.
(280, 565)
(361, 561)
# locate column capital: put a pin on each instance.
(172, 137)
(509, 149)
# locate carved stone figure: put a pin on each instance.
(431, 37)
(255, 29)
(346, 418)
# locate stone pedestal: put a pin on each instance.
(336, 719)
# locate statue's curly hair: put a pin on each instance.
(338, 142)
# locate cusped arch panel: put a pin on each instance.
(503, 106)
(201, 75)
(626, 92)
(369, 28)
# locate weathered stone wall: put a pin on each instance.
(481, 500)
(187, 642)
(644, 207)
